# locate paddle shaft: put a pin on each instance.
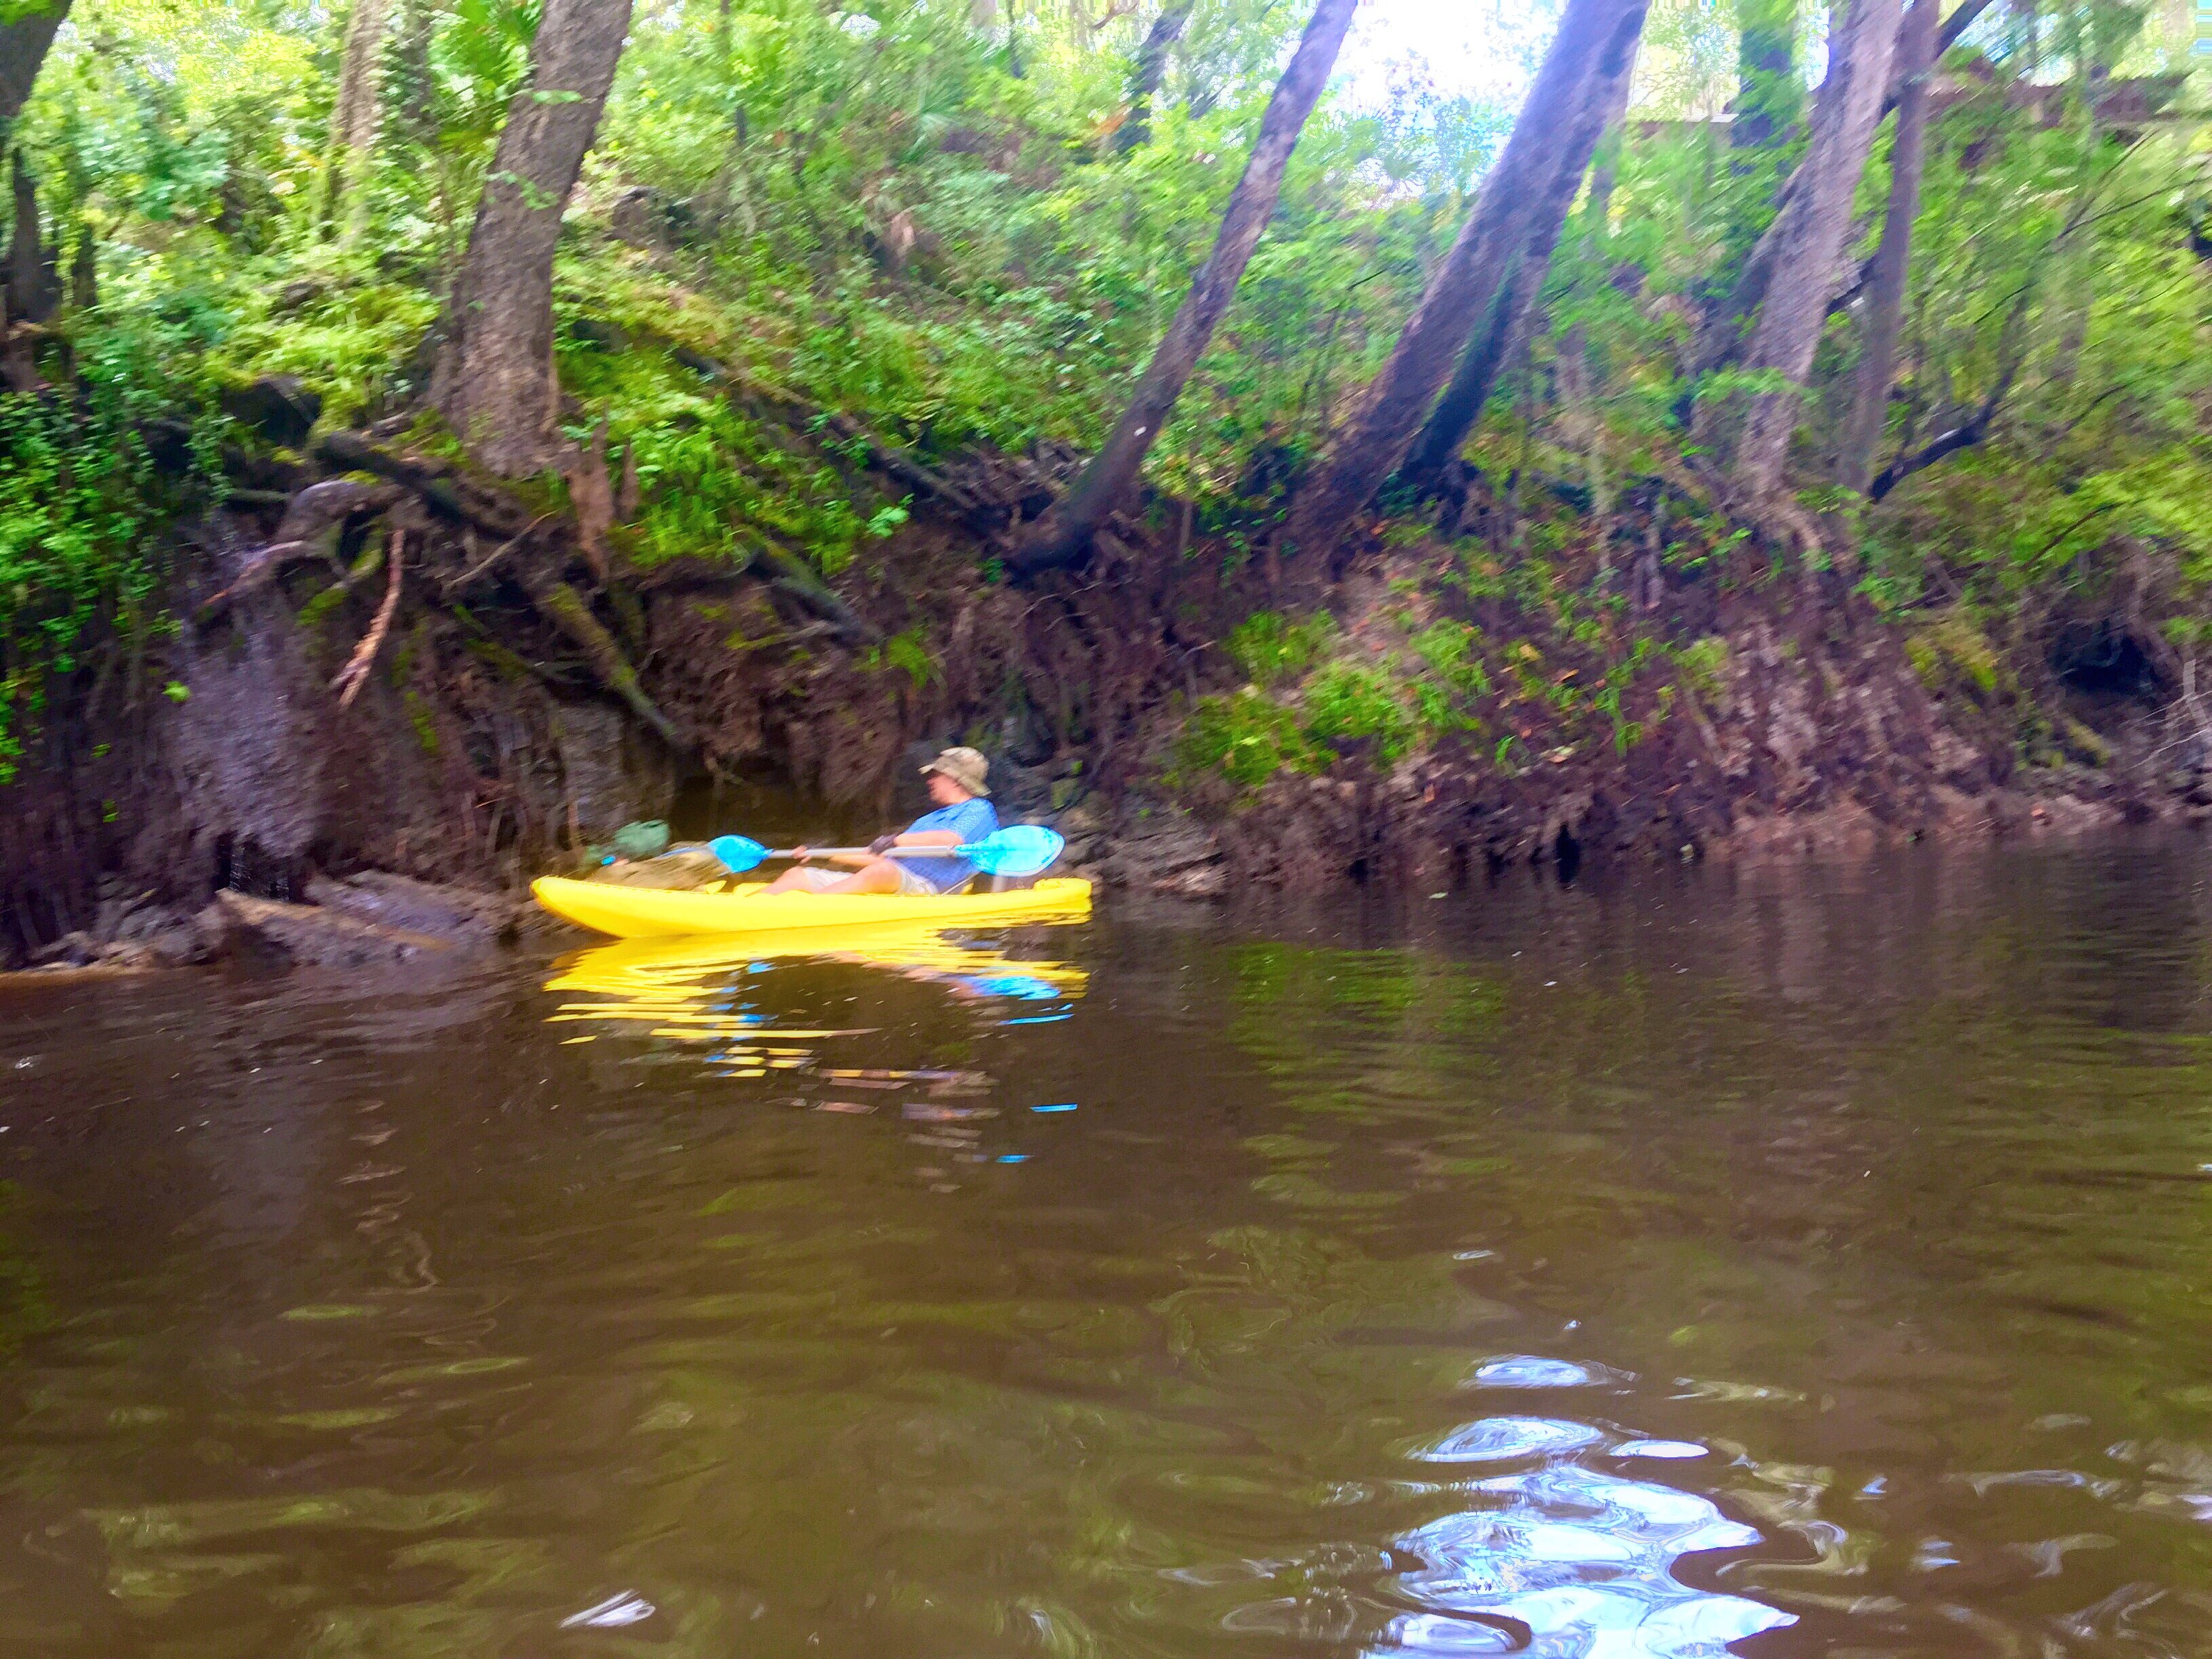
(949, 850)
(768, 852)
(1018, 850)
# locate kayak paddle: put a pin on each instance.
(1020, 849)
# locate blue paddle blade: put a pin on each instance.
(738, 853)
(1022, 849)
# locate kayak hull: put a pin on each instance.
(664, 913)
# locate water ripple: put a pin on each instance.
(1583, 1561)
(1528, 1371)
(1495, 1439)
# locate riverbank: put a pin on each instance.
(1448, 707)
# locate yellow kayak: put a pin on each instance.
(664, 913)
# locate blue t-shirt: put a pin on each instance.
(972, 820)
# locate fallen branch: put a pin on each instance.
(884, 456)
(493, 511)
(564, 607)
(310, 530)
(355, 674)
(793, 575)
(459, 584)
(901, 465)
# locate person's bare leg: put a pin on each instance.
(800, 879)
(876, 876)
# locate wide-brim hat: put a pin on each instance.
(965, 767)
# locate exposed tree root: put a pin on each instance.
(545, 544)
(348, 681)
(312, 521)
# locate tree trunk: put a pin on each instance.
(1768, 100)
(1809, 246)
(1721, 336)
(23, 43)
(1968, 13)
(84, 269)
(1461, 405)
(1146, 75)
(1473, 381)
(1595, 38)
(1063, 538)
(355, 116)
(1893, 260)
(495, 383)
(34, 286)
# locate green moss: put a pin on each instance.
(1703, 664)
(1270, 647)
(1951, 653)
(418, 716)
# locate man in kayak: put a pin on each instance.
(963, 814)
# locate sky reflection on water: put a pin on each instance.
(1569, 1560)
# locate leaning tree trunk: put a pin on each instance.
(1063, 537)
(1893, 260)
(1146, 75)
(1515, 197)
(24, 40)
(495, 382)
(1720, 336)
(355, 116)
(1809, 249)
(1472, 382)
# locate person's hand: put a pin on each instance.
(883, 844)
(800, 854)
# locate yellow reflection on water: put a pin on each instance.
(681, 987)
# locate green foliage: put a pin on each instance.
(83, 517)
(1246, 738)
(907, 651)
(1270, 648)
(1703, 663)
(1449, 650)
(1355, 702)
(1949, 650)
(1304, 706)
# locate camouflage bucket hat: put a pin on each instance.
(964, 767)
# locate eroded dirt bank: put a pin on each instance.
(522, 691)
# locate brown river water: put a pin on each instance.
(1801, 1262)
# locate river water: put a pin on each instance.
(1798, 1262)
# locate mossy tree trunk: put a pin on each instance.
(495, 382)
